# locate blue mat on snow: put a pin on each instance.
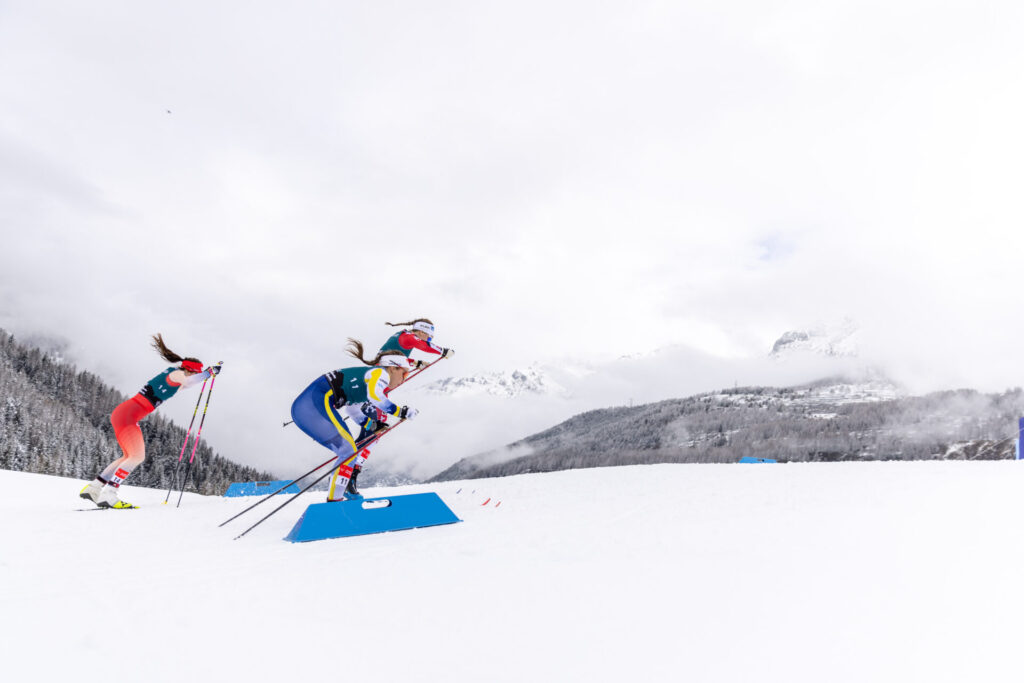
(370, 516)
(258, 488)
(749, 459)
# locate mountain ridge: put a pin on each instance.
(830, 420)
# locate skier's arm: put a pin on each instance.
(376, 384)
(181, 378)
(408, 340)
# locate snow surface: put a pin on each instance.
(879, 571)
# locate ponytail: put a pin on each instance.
(355, 349)
(166, 353)
(411, 322)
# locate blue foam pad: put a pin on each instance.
(258, 488)
(749, 459)
(370, 516)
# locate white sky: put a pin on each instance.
(542, 179)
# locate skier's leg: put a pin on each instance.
(129, 436)
(313, 414)
(133, 445)
(342, 473)
(357, 467)
(125, 421)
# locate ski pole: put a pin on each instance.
(360, 445)
(199, 433)
(321, 478)
(419, 370)
(181, 455)
(318, 480)
(407, 378)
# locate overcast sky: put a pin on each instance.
(259, 181)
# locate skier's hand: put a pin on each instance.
(447, 353)
(373, 412)
(419, 364)
(214, 369)
(407, 413)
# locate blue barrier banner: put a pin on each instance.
(749, 459)
(258, 488)
(370, 516)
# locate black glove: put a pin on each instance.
(407, 413)
(447, 353)
(214, 369)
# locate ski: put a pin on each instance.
(129, 506)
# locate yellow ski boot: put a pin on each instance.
(109, 499)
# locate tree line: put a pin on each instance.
(55, 420)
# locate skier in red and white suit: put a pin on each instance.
(419, 336)
(126, 417)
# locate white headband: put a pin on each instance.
(424, 327)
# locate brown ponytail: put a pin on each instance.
(411, 322)
(166, 353)
(355, 349)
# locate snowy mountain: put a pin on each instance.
(479, 414)
(504, 384)
(824, 421)
(837, 339)
(803, 573)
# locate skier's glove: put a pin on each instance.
(447, 353)
(373, 412)
(214, 369)
(419, 364)
(407, 413)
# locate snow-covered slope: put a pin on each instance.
(846, 572)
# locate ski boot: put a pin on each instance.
(92, 490)
(108, 499)
(369, 429)
(351, 491)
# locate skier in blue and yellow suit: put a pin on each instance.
(319, 411)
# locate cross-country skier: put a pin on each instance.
(126, 418)
(418, 334)
(320, 410)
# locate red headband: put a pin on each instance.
(193, 365)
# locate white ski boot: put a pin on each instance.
(109, 499)
(92, 491)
